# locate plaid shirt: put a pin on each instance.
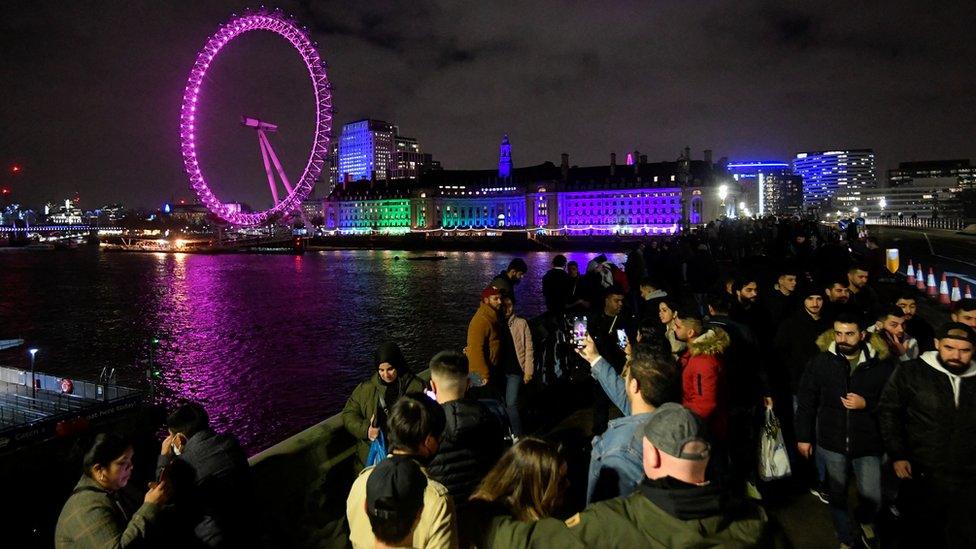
(92, 518)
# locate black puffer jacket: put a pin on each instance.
(472, 442)
(827, 378)
(922, 424)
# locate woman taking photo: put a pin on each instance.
(93, 516)
(364, 415)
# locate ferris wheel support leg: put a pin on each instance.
(267, 166)
(266, 146)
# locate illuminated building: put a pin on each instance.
(409, 160)
(936, 200)
(944, 172)
(752, 178)
(374, 150)
(642, 198)
(365, 150)
(826, 173)
(505, 158)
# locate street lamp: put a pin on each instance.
(33, 383)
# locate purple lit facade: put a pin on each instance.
(602, 200)
(274, 22)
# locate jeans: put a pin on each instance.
(513, 382)
(867, 472)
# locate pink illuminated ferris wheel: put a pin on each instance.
(294, 194)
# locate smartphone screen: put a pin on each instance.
(622, 339)
(579, 331)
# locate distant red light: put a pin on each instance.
(15, 168)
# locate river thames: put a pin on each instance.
(270, 344)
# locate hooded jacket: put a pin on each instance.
(670, 513)
(795, 345)
(703, 384)
(822, 417)
(363, 404)
(485, 333)
(928, 417)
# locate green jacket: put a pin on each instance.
(491, 527)
(697, 516)
(91, 518)
(362, 405)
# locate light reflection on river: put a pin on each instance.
(270, 344)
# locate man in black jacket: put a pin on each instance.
(915, 325)
(212, 477)
(839, 392)
(796, 342)
(602, 325)
(557, 286)
(473, 437)
(928, 418)
(779, 301)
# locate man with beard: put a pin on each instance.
(507, 279)
(838, 297)
(486, 334)
(964, 312)
(915, 325)
(704, 388)
(745, 294)
(796, 342)
(863, 298)
(838, 394)
(891, 327)
(928, 419)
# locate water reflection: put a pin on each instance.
(269, 344)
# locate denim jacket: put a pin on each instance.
(616, 468)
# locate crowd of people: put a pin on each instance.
(685, 348)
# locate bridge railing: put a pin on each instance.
(948, 223)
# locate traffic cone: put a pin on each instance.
(969, 292)
(920, 278)
(956, 294)
(930, 287)
(911, 273)
(944, 291)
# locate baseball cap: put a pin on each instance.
(676, 431)
(395, 488)
(490, 291)
(956, 330)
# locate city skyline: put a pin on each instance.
(93, 94)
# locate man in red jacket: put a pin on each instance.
(703, 383)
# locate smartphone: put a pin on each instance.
(431, 394)
(622, 339)
(579, 331)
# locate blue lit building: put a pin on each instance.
(643, 198)
(768, 187)
(366, 148)
(826, 173)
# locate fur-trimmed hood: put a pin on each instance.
(875, 347)
(713, 342)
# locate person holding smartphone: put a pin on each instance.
(602, 326)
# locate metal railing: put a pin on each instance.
(948, 223)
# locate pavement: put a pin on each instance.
(945, 250)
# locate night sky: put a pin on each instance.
(90, 91)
